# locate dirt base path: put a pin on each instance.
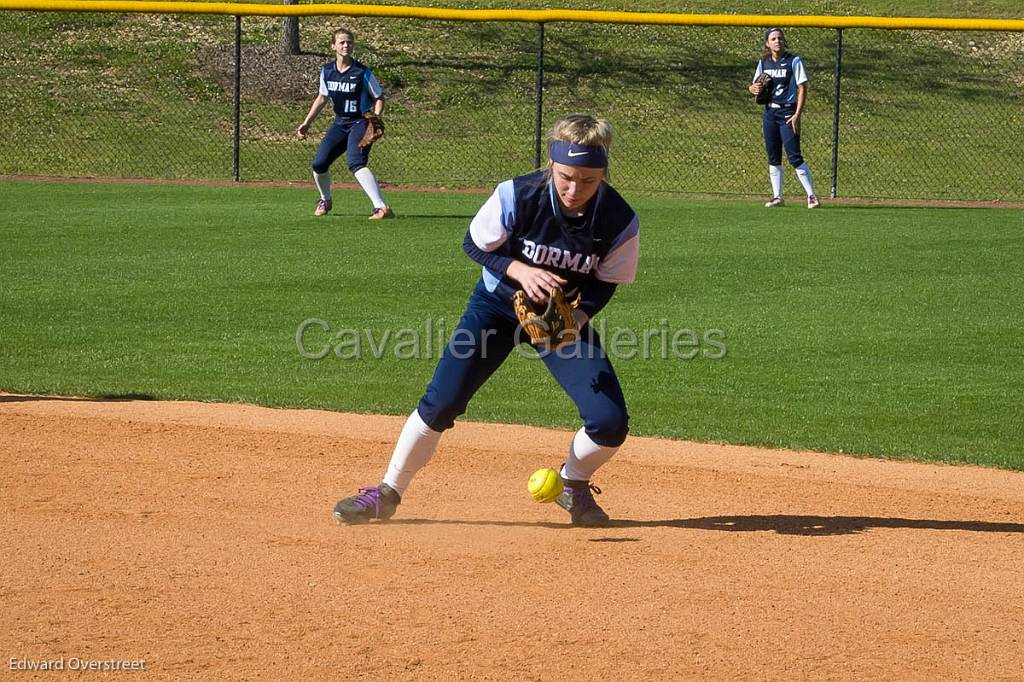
(198, 539)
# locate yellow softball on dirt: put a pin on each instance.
(545, 485)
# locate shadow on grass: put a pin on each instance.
(784, 524)
(362, 216)
(105, 398)
(459, 216)
(918, 204)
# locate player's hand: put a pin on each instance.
(794, 121)
(535, 281)
(301, 132)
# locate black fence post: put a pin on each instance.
(835, 111)
(539, 113)
(235, 169)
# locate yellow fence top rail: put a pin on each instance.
(532, 16)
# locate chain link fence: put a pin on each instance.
(922, 114)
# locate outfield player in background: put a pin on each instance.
(781, 119)
(563, 226)
(353, 89)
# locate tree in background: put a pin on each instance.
(290, 32)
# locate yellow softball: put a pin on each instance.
(545, 485)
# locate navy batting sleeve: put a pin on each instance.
(595, 296)
(493, 261)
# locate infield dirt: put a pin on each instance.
(198, 538)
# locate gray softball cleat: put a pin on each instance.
(577, 498)
(368, 504)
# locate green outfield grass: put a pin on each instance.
(892, 332)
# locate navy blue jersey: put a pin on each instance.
(787, 73)
(352, 91)
(522, 220)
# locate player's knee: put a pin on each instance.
(437, 413)
(320, 166)
(608, 426)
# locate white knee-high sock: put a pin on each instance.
(368, 182)
(585, 457)
(775, 175)
(323, 184)
(413, 450)
(803, 173)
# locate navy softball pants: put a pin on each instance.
(778, 135)
(487, 333)
(343, 138)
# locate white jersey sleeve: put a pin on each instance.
(799, 74)
(323, 83)
(620, 264)
(492, 223)
(373, 85)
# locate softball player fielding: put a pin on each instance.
(563, 226)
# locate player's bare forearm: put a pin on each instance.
(378, 106)
(314, 109)
(801, 96)
(318, 104)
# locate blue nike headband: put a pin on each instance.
(584, 155)
(771, 31)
